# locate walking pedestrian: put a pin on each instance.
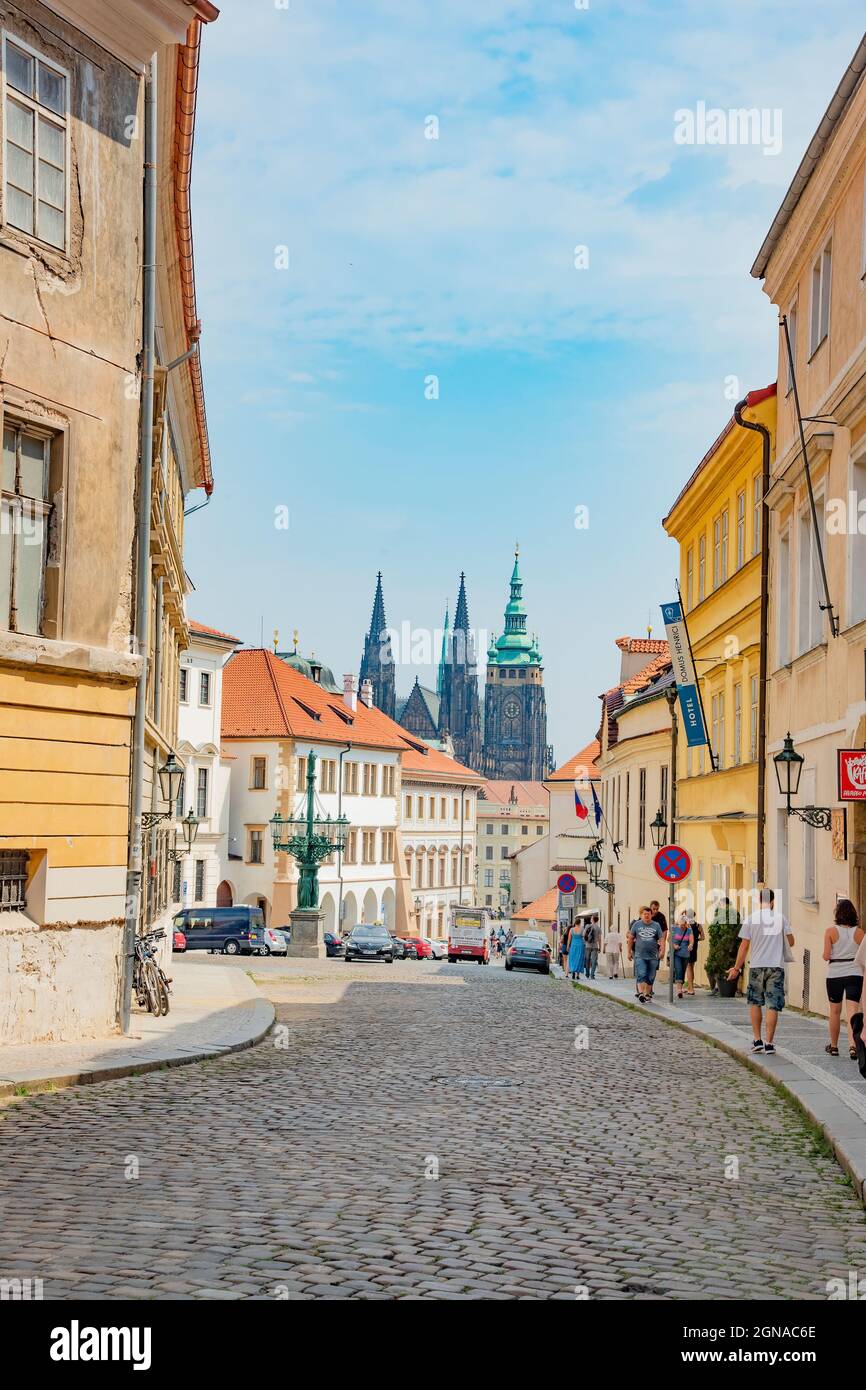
(767, 934)
(592, 943)
(646, 943)
(682, 950)
(613, 953)
(576, 950)
(844, 974)
(658, 915)
(698, 935)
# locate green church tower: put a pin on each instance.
(515, 710)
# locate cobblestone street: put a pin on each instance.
(302, 1167)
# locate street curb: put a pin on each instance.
(47, 1084)
(815, 1102)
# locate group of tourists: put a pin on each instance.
(764, 938)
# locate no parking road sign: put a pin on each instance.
(672, 863)
(566, 883)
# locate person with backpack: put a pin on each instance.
(592, 945)
(844, 974)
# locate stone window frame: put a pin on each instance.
(15, 415)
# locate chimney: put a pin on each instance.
(350, 692)
(367, 692)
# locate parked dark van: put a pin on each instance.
(231, 930)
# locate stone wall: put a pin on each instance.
(58, 983)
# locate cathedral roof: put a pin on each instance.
(430, 699)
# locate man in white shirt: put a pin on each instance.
(766, 931)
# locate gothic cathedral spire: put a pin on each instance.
(460, 707)
(377, 664)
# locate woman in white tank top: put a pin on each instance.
(844, 972)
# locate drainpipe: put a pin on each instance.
(142, 579)
(343, 752)
(764, 617)
(157, 716)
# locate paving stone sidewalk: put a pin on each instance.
(830, 1089)
(214, 1009)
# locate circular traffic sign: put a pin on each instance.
(566, 883)
(672, 863)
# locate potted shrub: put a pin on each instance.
(724, 942)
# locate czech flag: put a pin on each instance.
(580, 810)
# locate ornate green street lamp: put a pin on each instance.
(309, 839)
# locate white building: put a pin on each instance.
(273, 718)
(205, 787)
(438, 822)
(538, 863)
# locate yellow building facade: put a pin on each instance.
(70, 382)
(717, 523)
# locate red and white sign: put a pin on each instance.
(851, 770)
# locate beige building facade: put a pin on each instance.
(813, 265)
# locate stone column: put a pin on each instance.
(308, 933)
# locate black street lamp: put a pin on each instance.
(592, 860)
(659, 829)
(170, 776)
(789, 766)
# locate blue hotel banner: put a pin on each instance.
(684, 674)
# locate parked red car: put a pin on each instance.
(417, 948)
(179, 941)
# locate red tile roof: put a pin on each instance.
(263, 697)
(586, 759)
(543, 909)
(641, 644)
(525, 793)
(647, 673)
(211, 631)
(419, 758)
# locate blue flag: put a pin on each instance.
(596, 806)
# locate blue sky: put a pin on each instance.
(409, 257)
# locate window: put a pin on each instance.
(350, 778)
(819, 321)
(810, 621)
(328, 775)
(488, 851)
(302, 774)
(702, 569)
(467, 810)
(627, 804)
(443, 814)
(857, 546)
(432, 807)
(663, 791)
(489, 827)
(256, 847)
(184, 680)
(807, 793)
(741, 529)
(539, 830)
(350, 855)
(388, 775)
(407, 801)
(641, 809)
(36, 142)
(690, 566)
(204, 688)
(25, 518)
(720, 550)
(201, 793)
(420, 808)
(431, 871)
(757, 499)
(783, 588)
(176, 881)
(199, 880)
(718, 729)
(455, 808)
(387, 847)
(371, 779)
(753, 720)
(13, 879)
(503, 853)
(368, 848)
(442, 871)
(259, 773)
(738, 724)
(504, 828)
(488, 879)
(792, 330)
(419, 872)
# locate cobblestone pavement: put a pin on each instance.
(300, 1168)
